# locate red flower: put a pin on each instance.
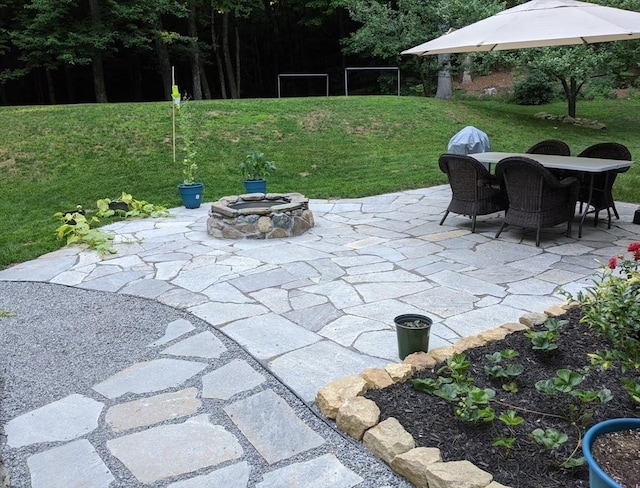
(634, 247)
(613, 262)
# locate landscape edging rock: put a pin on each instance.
(424, 466)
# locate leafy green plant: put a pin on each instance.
(565, 382)
(134, 208)
(510, 419)
(473, 405)
(611, 306)
(633, 389)
(76, 229)
(6, 313)
(549, 438)
(498, 371)
(544, 340)
(256, 167)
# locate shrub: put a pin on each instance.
(533, 89)
(611, 307)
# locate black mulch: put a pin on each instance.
(430, 420)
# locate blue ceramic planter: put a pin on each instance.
(191, 194)
(597, 477)
(255, 186)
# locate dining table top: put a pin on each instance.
(574, 163)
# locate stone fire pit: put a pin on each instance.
(260, 216)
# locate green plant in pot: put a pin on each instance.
(190, 189)
(255, 169)
(412, 332)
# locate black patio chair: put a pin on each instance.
(537, 198)
(550, 146)
(598, 193)
(474, 190)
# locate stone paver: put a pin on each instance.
(151, 410)
(204, 345)
(66, 419)
(234, 476)
(321, 472)
(272, 426)
(234, 377)
(170, 450)
(150, 376)
(72, 465)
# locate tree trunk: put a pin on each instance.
(50, 86)
(206, 91)
(233, 88)
(445, 88)
(237, 61)
(164, 65)
(195, 52)
(96, 60)
(571, 90)
(216, 52)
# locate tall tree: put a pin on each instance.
(389, 27)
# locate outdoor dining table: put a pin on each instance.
(589, 166)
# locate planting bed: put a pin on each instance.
(432, 423)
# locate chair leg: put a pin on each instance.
(473, 224)
(615, 210)
(445, 216)
(609, 218)
(538, 237)
(569, 228)
(500, 231)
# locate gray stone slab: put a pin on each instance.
(346, 329)
(532, 286)
(314, 318)
(381, 344)
(204, 345)
(219, 314)
(150, 376)
(41, 269)
(234, 476)
(276, 299)
(174, 330)
(112, 282)
(538, 263)
(234, 377)
(269, 335)
(531, 303)
(301, 300)
(259, 281)
(150, 288)
(201, 277)
(560, 276)
(226, 293)
(482, 319)
(341, 294)
(500, 274)
(373, 292)
(151, 410)
(321, 472)
(72, 465)
(442, 301)
(63, 420)
(467, 284)
(311, 368)
(182, 299)
(396, 276)
(171, 450)
(276, 432)
(385, 311)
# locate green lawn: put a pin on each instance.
(55, 157)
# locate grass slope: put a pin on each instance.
(55, 157)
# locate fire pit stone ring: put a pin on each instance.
(260, 216)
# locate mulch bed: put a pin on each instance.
(432, 423)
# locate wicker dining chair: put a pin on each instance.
(474, 190)
(550, 146)
(537, 198)
(602, 187)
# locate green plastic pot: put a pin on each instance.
(412, 339)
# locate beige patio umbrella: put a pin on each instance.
(538, 23)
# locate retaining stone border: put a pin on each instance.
(342, 401)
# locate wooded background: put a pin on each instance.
(73, 51)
